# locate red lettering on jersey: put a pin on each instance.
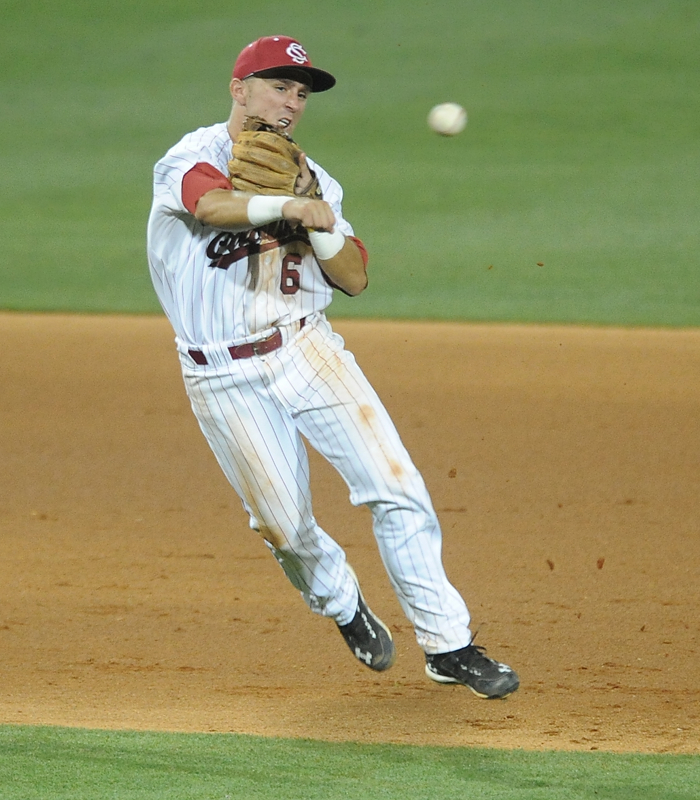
(291, 278)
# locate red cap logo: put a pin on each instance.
(271, 56)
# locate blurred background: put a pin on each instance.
(581, 152)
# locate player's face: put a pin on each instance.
(279, 101)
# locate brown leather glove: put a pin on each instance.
(266, 161)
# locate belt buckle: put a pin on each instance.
(260, 346)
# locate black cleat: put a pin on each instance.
(368, 637)
(469, 666)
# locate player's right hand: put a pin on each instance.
(316, 215)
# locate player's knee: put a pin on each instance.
(283, 532)
(275, 537)
(283, 538)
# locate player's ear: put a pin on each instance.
(239, 91)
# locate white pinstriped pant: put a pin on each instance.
(252, 412)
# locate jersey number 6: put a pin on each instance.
(290, 274)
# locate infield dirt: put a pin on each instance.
(563, 463)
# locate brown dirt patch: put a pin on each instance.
(564, 465)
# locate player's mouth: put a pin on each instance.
(285, 122)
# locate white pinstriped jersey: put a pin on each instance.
(220, 288)
(223, 287)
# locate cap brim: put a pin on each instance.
(316, 79)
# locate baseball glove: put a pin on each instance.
(266, 161)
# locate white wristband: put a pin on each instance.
(265, 208)
(326, 245)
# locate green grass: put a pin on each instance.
(580, 152)
(71, 764)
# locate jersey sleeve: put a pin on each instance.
(202, 178)
(187, 171)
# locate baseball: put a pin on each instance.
(447, 119)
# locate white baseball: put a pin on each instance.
(447, 119)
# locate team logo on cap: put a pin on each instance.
(297, 53)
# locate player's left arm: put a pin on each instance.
(347, 270)
(342, 257)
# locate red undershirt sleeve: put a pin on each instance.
(361, 247)
(202, 178)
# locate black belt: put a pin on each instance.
(248, 350)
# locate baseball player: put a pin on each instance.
(246, 244)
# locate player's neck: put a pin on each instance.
(235, 121)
